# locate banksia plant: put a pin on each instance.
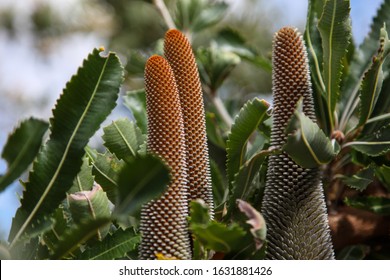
(164, 225)
(178, 52)
(293, 204)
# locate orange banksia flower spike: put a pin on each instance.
(293, 205)
(179, 54)
(164, 226)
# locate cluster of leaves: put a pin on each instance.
(79, 203)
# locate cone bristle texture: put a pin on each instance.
(293, 206)
(164, 225)
(178, 52)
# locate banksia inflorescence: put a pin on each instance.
(176, 133)
(293, 205)
(164, 226)
(178, 52)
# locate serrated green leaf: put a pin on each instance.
(378, 205)
(140, 181)
(360, 180)
(335, 29)
(242, 186)
(106, 169)
(354, 252)
(213, 235)
(76, 236)
(90, 205)
(40, 227)
(136, 101)
(86, 101)
(314, 48)
(214, 131)
(306, 143)
(230, 40)
(383, 174)
(368, 48)
(373, 79)
(113, 246)
(51, 237)
(84, 179)
(253, 113)
(215, 65)
(21, 148)
(123, 138)
(219, 185)
(375, 144)
(196, 15)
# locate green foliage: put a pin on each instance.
(21, 148)
(233, 240)
(335, 29)
(87, 100)
(114, 246)
(379, 205)
(137, 187)
(81, 203)
(124, 139)
(306, 143)
(196, 15)
(360, 180)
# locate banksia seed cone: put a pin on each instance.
(178, 52)
(164, 226)
(293, 206)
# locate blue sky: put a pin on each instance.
(47, 78)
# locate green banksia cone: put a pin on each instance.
(293, 206)
(178, 52)
(164, 225)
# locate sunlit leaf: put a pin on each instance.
(21, 148)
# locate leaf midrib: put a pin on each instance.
(54, 178)
(131, 240)
(124, 139)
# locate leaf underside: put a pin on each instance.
(21, 148)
